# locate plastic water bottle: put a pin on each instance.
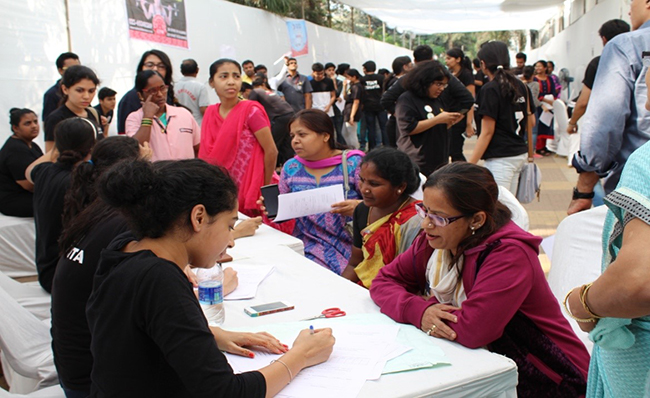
(211, 294)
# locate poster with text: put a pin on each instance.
(298, 37)
(160, 21)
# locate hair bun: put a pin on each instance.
(127, 184)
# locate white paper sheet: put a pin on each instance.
(250, 274)
(305, 203)
(547, 245)
(546, 118)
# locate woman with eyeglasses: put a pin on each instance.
(171, 131)
(473, 276)
(131, 102)
(421, 120)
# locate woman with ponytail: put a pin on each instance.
(473, 276)
(505, 112)
(461, 67)
(51, 174)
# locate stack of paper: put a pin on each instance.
(306, 203)
(250, 274)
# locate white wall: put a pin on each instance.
(575, 46)
(32, 35)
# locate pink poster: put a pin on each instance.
(160, 21)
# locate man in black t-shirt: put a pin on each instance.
(520, 59)
(607, 32)
(106, 105)
(372, 110)
(324, 95)
(53, 95)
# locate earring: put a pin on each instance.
(399, 191)
(473, 231)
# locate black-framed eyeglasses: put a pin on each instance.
(151, 65)
(156, 90)
(435, 219)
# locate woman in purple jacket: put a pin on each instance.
(473, 276)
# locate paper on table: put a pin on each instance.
(250, 274)
(425, 355)
(391, 351)
(546, 118)
(305, 203)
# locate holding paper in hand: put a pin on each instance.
(306, 203)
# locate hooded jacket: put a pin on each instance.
(509, 309)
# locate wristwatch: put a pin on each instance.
(582, 195)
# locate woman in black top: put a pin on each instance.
(149, 334)
(353, 110)
(79, 84)
(50, 175)
(16, 154)
(422, 122)
(505, 111)
(461, 67)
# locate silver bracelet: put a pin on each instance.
(288, 370)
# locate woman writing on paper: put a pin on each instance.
(384, 224)
(149, 334)
(319, 163)
(473, 276)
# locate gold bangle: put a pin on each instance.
(288, 370)
(568, 311)
(583, 300)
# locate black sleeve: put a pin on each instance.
(359, 222)
(489, 105)
(50, 102)
(356, 92)
(50, 124)
(390, 96)
(458, 93)
(329, 84)
(466, 77)
(129, 103)
(590, 73)
(38, 170)
(170, 314)
(17, 163)
(407, 115)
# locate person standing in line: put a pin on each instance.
(190, 92)
(324, 94)
(52, 97)
(106, 106)
(543, 131)
(353, 111)
(296, 87)
(401, 65)
(556, 80)
(520, 60)
(337, 119)
(461, 67)
(372, 110)
(248, 67)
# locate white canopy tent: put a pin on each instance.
(447, 16)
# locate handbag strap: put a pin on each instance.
(529, 130)
(346, 177)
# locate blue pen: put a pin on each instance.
(311, 329)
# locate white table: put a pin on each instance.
(17, 246)
(265, 238)
(311, 288)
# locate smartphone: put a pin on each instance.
(271, 193)
(463, 111)
(646, 58)
(270, 308)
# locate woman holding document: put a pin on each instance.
(473, 277)
(319, 163)
(149, 335)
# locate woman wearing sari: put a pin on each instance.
(236, 135)
(615, 308)
(384, 224)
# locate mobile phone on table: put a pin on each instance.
(270, 194)
(646, 58)
(270, 308)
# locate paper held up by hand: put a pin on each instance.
(546, 118)
(306, 203)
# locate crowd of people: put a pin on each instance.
(121, 220)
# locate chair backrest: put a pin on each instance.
(519, 213)
(29, 295)
(561, 118)
(26, 343)
(49, 392)
(17, 246)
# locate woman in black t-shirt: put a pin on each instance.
(505, 111)
(461, 67)
(353, 109)
(17, 153)
(422, 122)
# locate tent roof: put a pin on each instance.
(446, 16)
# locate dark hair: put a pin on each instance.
(383, 71)
(292, 59)
(317, 67)
(476, 62)
(330, 65)
(163, 58)
(551, 64)
(521, 56)
(613, 28)
(458, 53)
(216, 64)
(496, 58)
(399, 63)
(82, 189)
(544, 63)
(422, 53)
(318, 122)
(189, 67)
(370, 66)
(16, 115)
(248, 61)
(245, 86)
(260, 79)
(60, 60)
(95, 214)
(528, 72)
(342, 68)
(423, 75)
(147, 194)
(469, 189)
(353, 73)
(106, 92)
(396, 167)
(142, 78)
(76, 73)
(74, 139)
(260, 67)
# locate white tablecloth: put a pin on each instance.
(265, 238)
(17, 246)
(311, 289)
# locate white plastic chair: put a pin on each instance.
(577, 255)
(30, 295)
(561, 117)
(26, 344)
(49, 392)
(519, 213)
